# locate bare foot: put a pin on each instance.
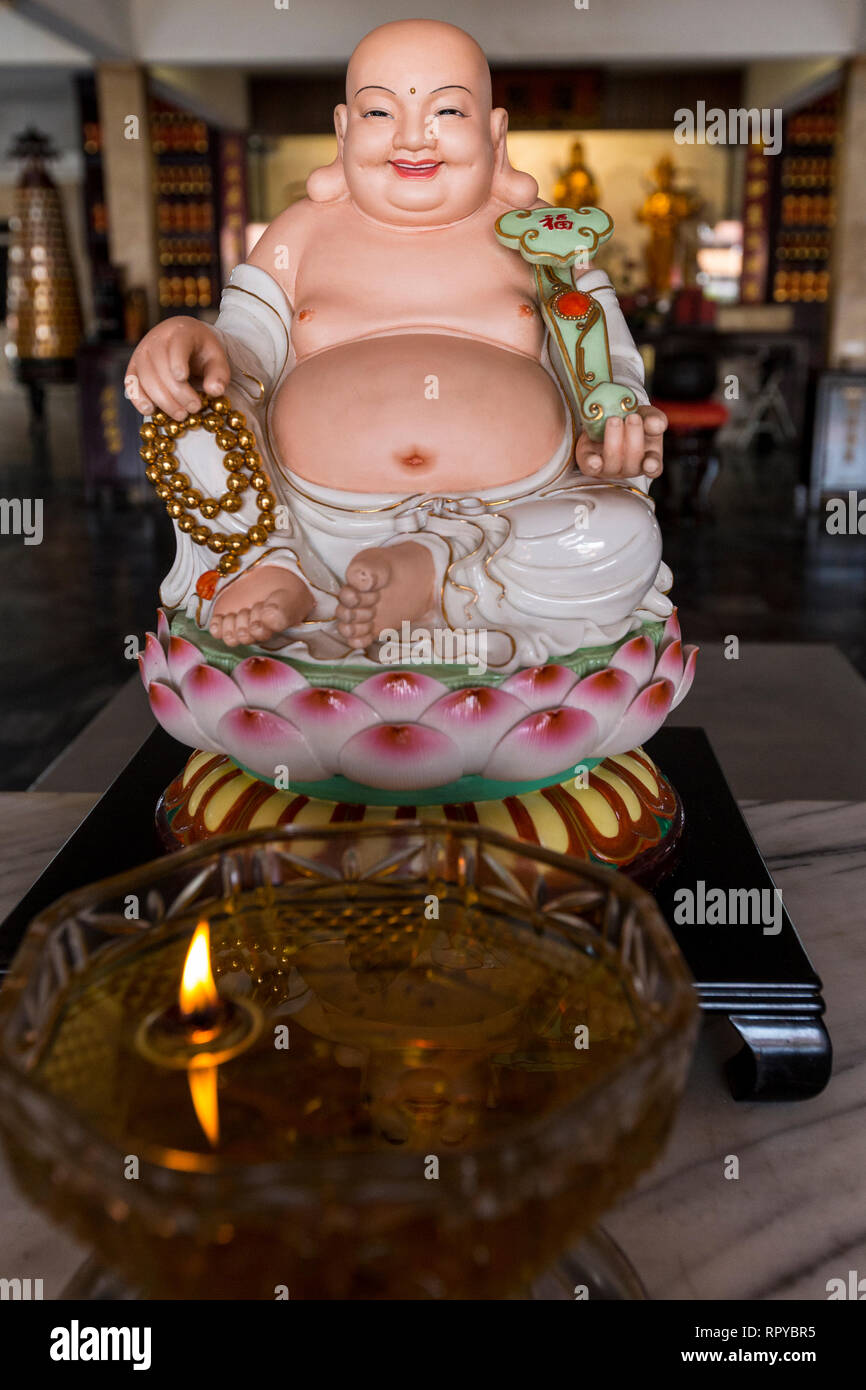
(259, 604)
(384, 587)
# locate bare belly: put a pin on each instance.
(416, 413)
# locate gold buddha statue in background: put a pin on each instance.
(576, 187)
(664, 210)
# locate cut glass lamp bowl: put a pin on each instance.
(465, 1049)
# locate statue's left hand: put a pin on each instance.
(630, 447)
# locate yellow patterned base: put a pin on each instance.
(627, 814)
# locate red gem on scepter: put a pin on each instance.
(574, 304)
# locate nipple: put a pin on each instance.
(305, 314)
(527, 310)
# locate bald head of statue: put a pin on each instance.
(419, 143)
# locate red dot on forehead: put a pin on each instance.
(412, 91)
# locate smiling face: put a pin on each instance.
(418, 141)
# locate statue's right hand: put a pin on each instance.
(157, 377)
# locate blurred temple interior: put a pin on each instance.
(145, 144)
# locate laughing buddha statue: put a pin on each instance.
(422, 446)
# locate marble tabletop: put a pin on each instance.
(796, 1215)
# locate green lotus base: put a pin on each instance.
(347, 675)
(341, 789)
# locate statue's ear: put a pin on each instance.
(517, 189)
(341, 120)
(328, 184)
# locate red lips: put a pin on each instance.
(424, 169)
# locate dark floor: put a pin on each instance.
(751, 569)
(66, 608)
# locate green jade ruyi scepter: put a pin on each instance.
(553, 240)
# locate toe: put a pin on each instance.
(361, 579)
(242, 625)
(274, 617)
(258, 626)
(355, 615)
(228, 630)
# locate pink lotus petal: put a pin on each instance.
(176, 719)
(152, 662)
(209, 693)
(327, 718)
(264, 743)
(541, 687)
(688, 676)
(182, 656)
(265, 682)
(163, 630)
(543, 744)
(401, 757)
(637, 657)
(606, 695)
(644, 717)
(671, 631)
(669, 666)
(400, 695)
(475, 717)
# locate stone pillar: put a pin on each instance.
(128, 173)
(848, 272)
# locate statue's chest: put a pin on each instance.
(354, 284)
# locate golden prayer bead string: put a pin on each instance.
(242, 462)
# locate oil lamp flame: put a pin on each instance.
(200, 1033)
(203, 1090)
(199, 1002)
(198, 992)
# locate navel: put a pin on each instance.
(413, 460)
